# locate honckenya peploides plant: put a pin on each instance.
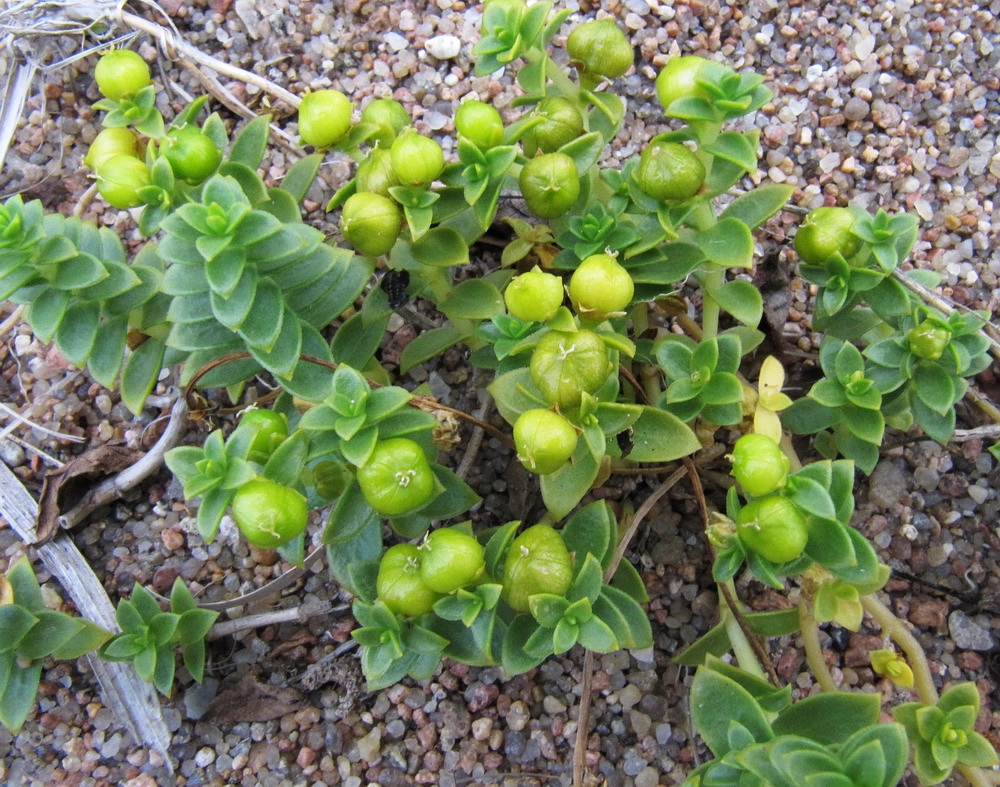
(597, 358)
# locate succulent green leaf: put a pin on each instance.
(727, 243)
(829, 718)
(659, 436)
(15, 622)
(717, 700)
(18, 688)
(142, 369)
(430, 344)
(757, 206)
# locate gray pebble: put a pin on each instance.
(887, 484)
(856, 109)
(967, 633)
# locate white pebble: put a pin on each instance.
(864, 46)
(395, 42)
(924, 209)
(204, 757)
(443, 47)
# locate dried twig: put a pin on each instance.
(586, 681)
(112, 488)
(130, 698)
(298, 614)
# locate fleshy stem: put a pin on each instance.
(898, 632)
(814, 653)
(744, 651)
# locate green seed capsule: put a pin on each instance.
(112, 142)
(417, 160)
(399, 585)
(774, 528)
(537, 562)
(600, 47)
(397, 478)
(119, 180)
(371, 223)
(825, 232)
(121, 73)
(759, 464)
(480, 123)
(550, 184)
(600, 288)
(928, 339)
(389, 115)
(450, 559)
(269, 514)
(565, 365)
(545, 440)
(561, 122)
(534, 296)
(670, 172)
(193, 156)
(324, 118)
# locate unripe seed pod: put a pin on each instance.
(759, 464)
(561, 123)
(390, 116)
(119, 180)
(537, 562)
(371, 223)
(600, 48)
(928, 340)
(679, 78)
(375, 173)
(450, 559)
(534, 296)
(545, 440)
(417, 160)
(111, 142)
(774, 528)
(565, 365)
(192, 154)
(550, 184)
(600, 287)
(479, 123)
(399, 585)
(397, 477)
(825, 232)
(121, 73)
(670, 172)
(324, 118)
(269, 514)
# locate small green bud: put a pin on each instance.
(600, 288)
(600, 48)
(534, 296)
(550, 184)
(670, 172)
(371, 223)
(389, 115)
(545, 440)
(324, 118)
(479, 123)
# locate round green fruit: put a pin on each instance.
(119, 180)
(397, 477)
(550, 184)
(825, 232)
(565, 365)
(537, 562)
(670, 172)
(371, 223)
(324, 118)
(680, 76)
(375, 173)
(479, 123)
(269, 514)
(450, 559)
(600, 48)
(534, 296)
(544, 439)
(600, 287)
(112, 142)
(773, 527)
(417, 160)
(561, 122)
(271, 429)
(928, 339)
(759, 464)
(121, 73)
(399, 584)
(192, 154)
(389, 115)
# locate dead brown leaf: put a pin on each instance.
(64, 487)
(249, 700)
